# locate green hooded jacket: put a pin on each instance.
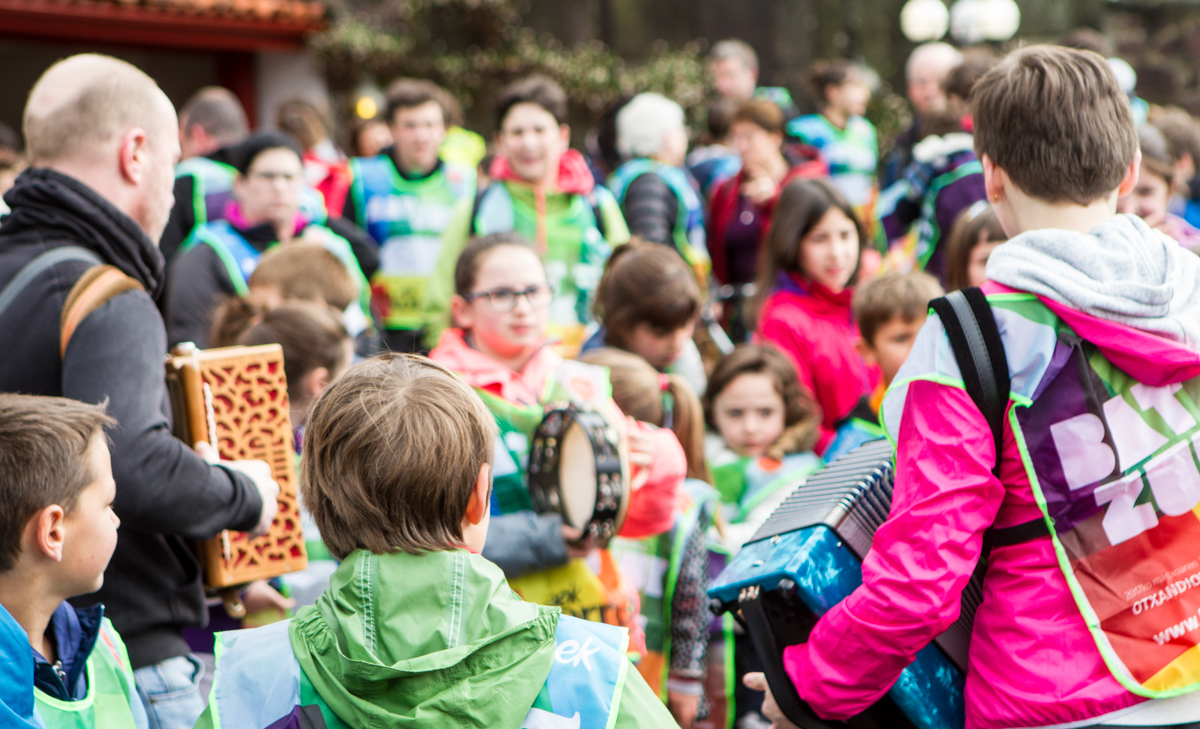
(430, 640)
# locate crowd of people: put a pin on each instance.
(740, 311)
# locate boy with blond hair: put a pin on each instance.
(890, 311)
(57, 534)
(416, 628)
(1083, 475)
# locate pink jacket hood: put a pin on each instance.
(1033, 662)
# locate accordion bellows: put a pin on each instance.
(237, 399)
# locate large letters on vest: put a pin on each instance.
(1114, 463)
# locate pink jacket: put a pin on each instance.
(651, 507)
(815, 328)
(1032, 661)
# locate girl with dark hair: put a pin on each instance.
(804, 293)
(975, 234)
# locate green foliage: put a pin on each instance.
(474, 47)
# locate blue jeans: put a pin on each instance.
(170, 691)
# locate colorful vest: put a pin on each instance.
(212, 190)
(689, 221)
(575, 252)
(653, 566)
(258, 680)
(406, 218)
(593, 589)
(109, 695)
(240, 258)
(1114, 467)
(853, 152)
(747, 482)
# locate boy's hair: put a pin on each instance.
(824, 74)
(765, 115)
(251, 147)
(645, 283)
(467, 268)
(642, 392)
(968, 231)
(1057, 121)
(801, 415)
(538, 90)
(407, 93)
(44, 443)
(391, 455)
(1181, 130)
(310, 334)
(719, 117)
(882, 299)
(799, 208)
(306, 271)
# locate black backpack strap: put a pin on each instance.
(975, 341)
(40, 263)
(475, 207)
(594, 201)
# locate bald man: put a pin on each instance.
(928, 66)
(101, 139)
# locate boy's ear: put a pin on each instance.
(865, 350)
(1131, 175)
(481, 496)
(48, 532)
(993, 179)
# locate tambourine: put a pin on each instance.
(578, 468)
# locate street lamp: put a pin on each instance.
(976, 21)
(923, 21)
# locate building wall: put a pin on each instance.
(284, 76)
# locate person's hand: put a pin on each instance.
(683, 707)
(259, 472)
(770, 709)
(259, 596)
(576, 550)
(759, 190)
(642, 447)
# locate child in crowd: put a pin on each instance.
(805, 287)
(501, 349)
(670, 570)
(1182, 132)
(543, 190)
(647, 303)
(57, 534)
(763, 430)
(1098, 315)
(889, 311)
(840, 131)
(1151, 199)
(974, 236)
(417, 629)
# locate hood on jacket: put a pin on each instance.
(16, 674)
(485, 373)
(574, 177)
(429, 640)
(934, 147)
(57, 206)
(1121, 271)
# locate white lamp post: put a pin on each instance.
(976, 21)
(923, 21)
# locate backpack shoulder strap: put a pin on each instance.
(594, 201)
(975, 341)
(96, 286)
(475, 208)
(38, 265)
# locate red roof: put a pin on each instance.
(233, 25)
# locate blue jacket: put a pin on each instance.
(75, 632)
(16, 675)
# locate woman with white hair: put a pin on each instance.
(656, 193)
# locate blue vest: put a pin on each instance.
(239, 257)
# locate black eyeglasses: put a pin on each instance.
(504, 300)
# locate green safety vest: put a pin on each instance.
(407, 218)
(109, 694)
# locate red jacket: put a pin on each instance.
(815, 328)
(724, 203)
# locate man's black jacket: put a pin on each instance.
(166, 494)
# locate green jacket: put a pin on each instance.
(431, 640)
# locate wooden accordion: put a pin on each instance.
(806, 558)
(236, 398)
(578, 468)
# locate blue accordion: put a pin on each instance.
(806, 558)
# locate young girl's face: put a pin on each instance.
(829, 252)
(749, 414)
(977, 261)
(1149, 200)
(512, 278)
(850, 97)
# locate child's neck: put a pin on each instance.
(27, 597)
(516, 363)
(836, 117)
(1031, 213)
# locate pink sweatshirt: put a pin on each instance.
(1032, 661)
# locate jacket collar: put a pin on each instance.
(574, 177)
(74, 633)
